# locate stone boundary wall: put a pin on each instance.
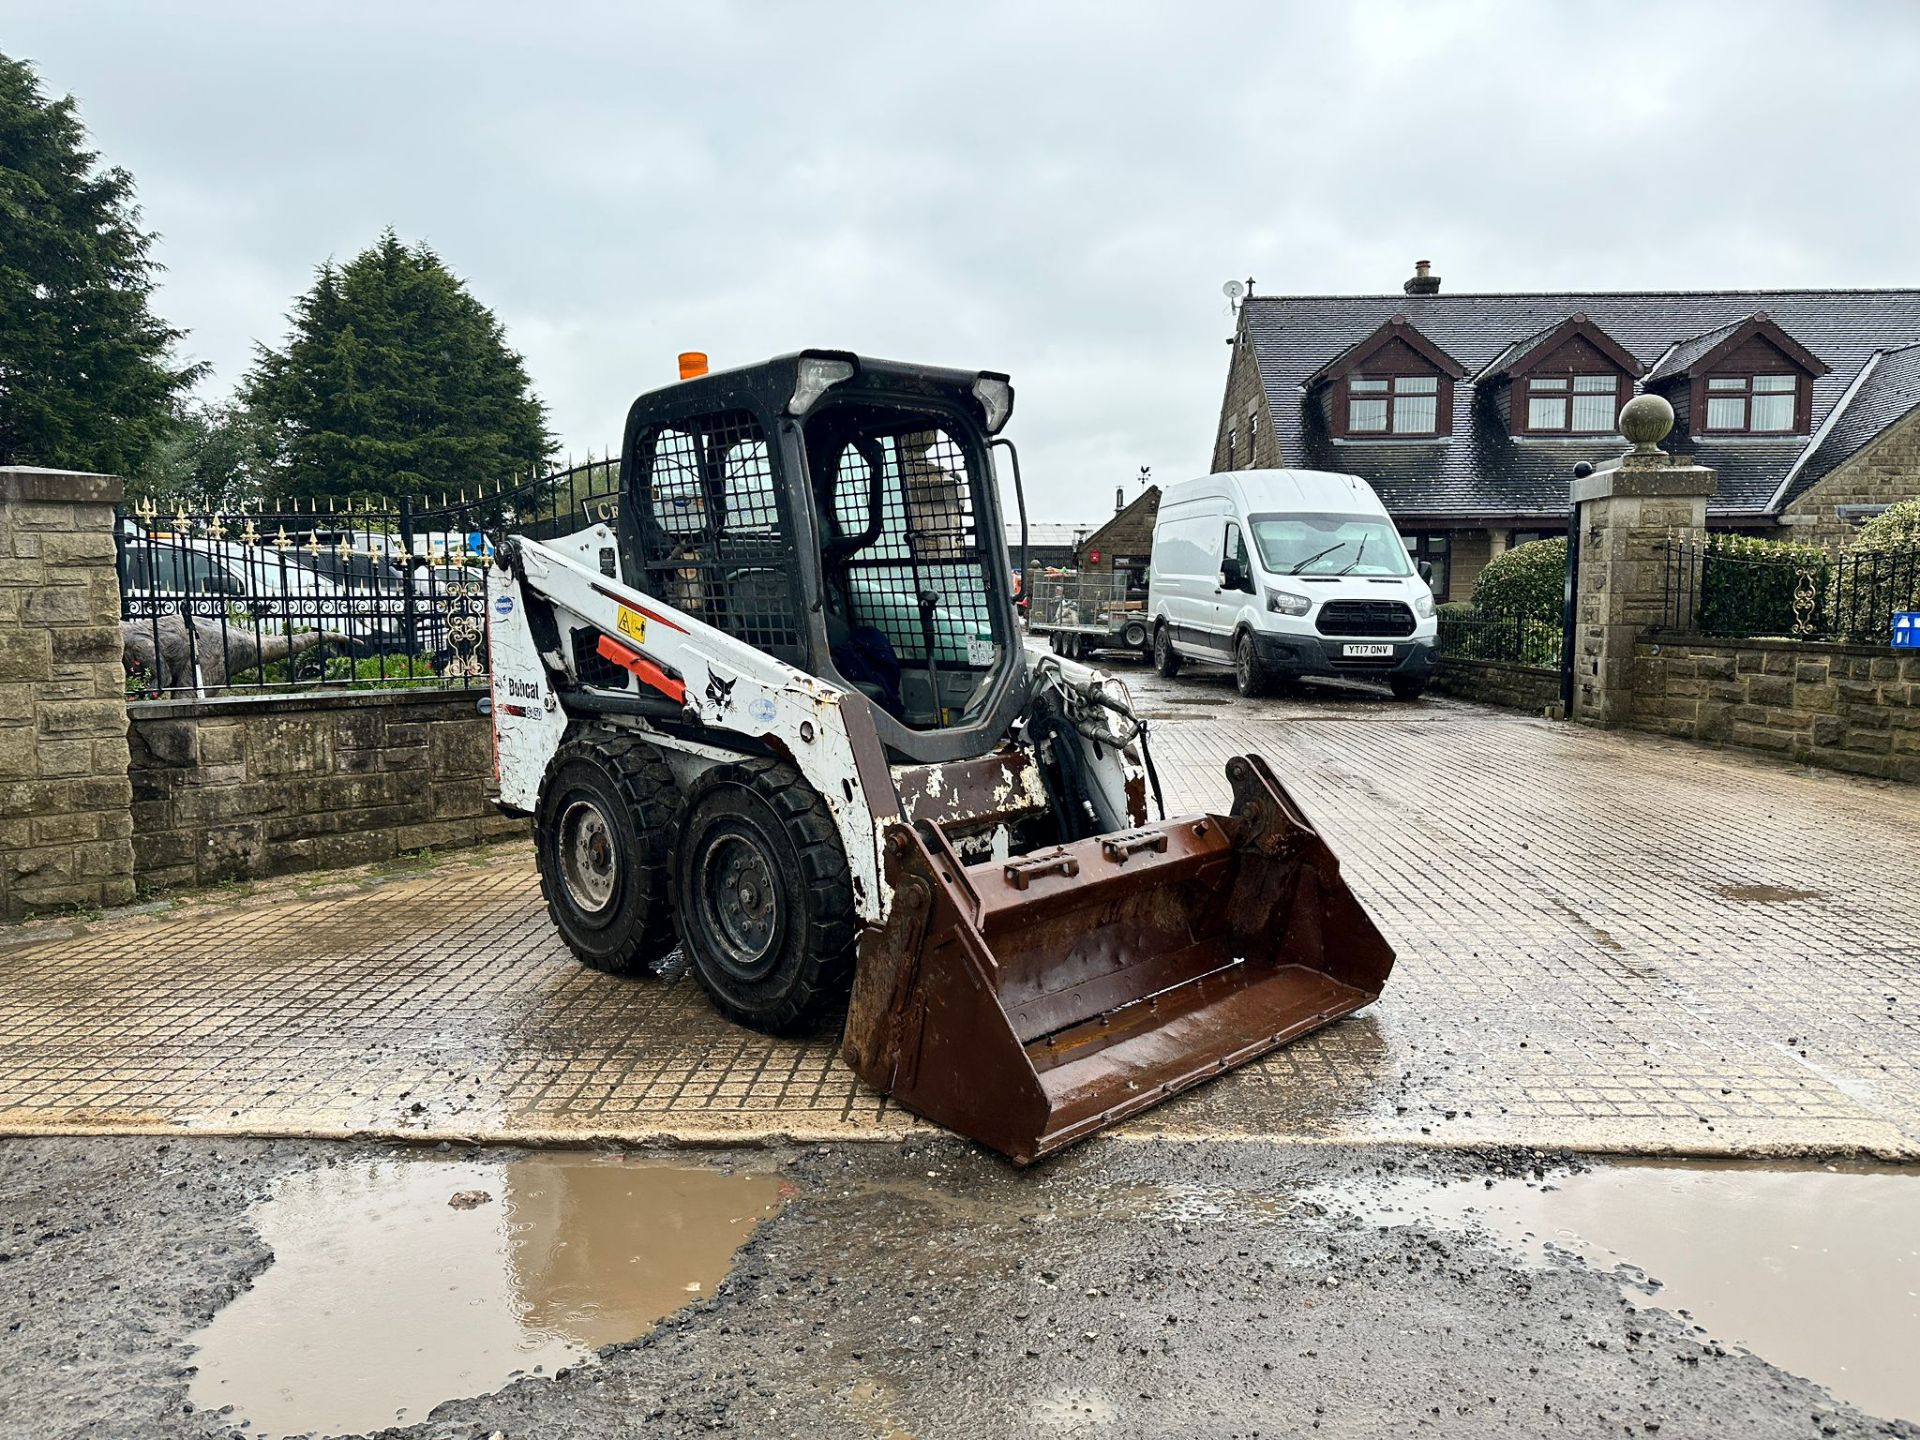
(1846, 707)
(242, 786)
(1499, 682)
(64, 827)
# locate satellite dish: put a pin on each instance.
(1233, 290)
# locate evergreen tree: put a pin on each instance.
(394, 381)
(86, 373)
(212, 459)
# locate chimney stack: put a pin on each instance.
(1424, 281)
(1119, 498)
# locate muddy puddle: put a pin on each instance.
(397, 1284)
(1813, 1268)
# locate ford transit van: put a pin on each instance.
(1283, 573)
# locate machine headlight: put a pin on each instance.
(1424, 607)
(995, 394)
(814, 376)
(1285, 602)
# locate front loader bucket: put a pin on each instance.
(1029, 1002)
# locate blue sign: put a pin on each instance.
(762, 710)
(1906, 629)
(504, 605)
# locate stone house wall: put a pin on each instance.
(1881, 474)
(64, 824)
(1847, 707)
(236, 787)
(1245, 397)
(1496, 682)
(1129, 533)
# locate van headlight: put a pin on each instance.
(1424, 607)
(1285, 602)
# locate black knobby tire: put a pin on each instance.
(763, 898)
(1405, 687)
(603, 835)
(1250, 676)
(1166, 659)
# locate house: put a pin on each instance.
(1049, 543)
(1469, 412)
(1124, 545)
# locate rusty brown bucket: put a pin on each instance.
(1029, 1002)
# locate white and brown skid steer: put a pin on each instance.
(780, 714)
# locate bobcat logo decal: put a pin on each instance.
(719, 693)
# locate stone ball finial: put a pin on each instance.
(1646, 420)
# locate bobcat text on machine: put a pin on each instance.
(783, 717)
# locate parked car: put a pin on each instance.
(1283, 573)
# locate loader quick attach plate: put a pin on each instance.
(1028, 1002)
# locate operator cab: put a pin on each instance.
(841, 514)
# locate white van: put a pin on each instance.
(1281, 573)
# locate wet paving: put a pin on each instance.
(1607, 941)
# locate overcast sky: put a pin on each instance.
(1056, 191)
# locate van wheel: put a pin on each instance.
(1136, 636)
(1250, 676)
(1405, 687)
(1166, 659)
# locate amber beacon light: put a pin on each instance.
(692, 363)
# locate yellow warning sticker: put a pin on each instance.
(632, 624)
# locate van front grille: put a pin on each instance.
(1365, 617)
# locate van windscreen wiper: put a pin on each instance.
(1357, 554)
(1318, 555)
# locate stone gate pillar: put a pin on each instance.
(1627, 508)
(66, 817)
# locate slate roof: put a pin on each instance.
(1480, 471)
(1887, 393)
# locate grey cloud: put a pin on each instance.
(1053, 190)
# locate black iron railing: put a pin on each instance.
(1524, 637)
(1728, 585)
(311, 593)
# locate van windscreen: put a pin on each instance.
(1329, 545)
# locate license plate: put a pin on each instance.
(632, 624)
(1367, 652)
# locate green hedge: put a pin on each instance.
(1895, 528)
(1526, 580)
(1748, 586)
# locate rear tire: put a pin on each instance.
(1250, 676)
(763, 897)
(603, 829)
(1406, 688)
(1136, 636)
(1166, 659)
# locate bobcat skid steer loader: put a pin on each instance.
(780, 714)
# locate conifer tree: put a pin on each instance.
(87, 375)
(394, 381)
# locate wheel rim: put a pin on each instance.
(589, 859)
(1243, 662)
(740, 902)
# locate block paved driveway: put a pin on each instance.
(1607, 941)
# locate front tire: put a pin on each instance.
(763, 897)
(1250, 676)
(602, 834)
(1166, 659)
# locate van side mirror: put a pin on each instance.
(1232, 575)
(1425, 567)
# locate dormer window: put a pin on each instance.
(1573, 404)
(1396, 405)
(1751, 404)
(1394, 385)
(1570, 379)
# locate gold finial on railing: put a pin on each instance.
(312, 547)
(249, 535)
(282, 541)
(182, 522)
(146, 509)
(217, 528)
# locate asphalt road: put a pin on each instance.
(923, 1290)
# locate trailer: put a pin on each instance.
(1081, 614)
